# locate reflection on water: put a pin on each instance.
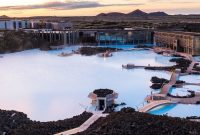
(48, 87)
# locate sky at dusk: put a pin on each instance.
(20, 8)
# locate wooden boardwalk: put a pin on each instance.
(192, 100)
(85, 125)
(154, 104)
(165, 89)
(58, 47)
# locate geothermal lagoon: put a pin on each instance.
(47, 87)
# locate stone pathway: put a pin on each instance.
(96, 115)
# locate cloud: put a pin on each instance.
(64, 5)
(175, 1)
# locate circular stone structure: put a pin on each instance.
(103, 98)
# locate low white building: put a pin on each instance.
(13, 24)
(103, 98)
(61, 25)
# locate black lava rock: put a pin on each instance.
(130, 122)
(17, 123)
(102, 92)
(88, 51)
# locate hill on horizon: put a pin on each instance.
(135, 13)
(4, 17)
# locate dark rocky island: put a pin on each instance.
(181, 64)
(88, 51)
(157, 82)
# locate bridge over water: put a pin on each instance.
(154, 104)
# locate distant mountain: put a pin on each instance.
(158, 14)
(137, 13)
(112, 14)
(4, 17)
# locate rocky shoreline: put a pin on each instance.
(130, 122)
(157, 82)
(127, 121)
(17, 123)
(181, 64)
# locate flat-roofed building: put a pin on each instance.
(103, 98)
(2, 25)
(125, 36)
(61, 25)
(13, 24)
(187, 42)
(35, 24)
(117, 36)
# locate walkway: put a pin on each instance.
(153, 104)
(137, 49)
(58, 47)
(197, 84)
(190, 68)
(165, 89)
(192, 100)
(132, 66)
(85, 125)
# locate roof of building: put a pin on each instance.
(102, 92)
(182, 33)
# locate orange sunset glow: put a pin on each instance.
(20, 8)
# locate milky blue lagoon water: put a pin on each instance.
(48, 87)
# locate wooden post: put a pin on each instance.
(73, 37)
(65, 37)
(50, 35)
(69, 33)
(59, 36)
(98, 36)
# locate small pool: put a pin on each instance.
(177, 110)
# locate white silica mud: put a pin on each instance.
(48, 87)
(191, 78)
